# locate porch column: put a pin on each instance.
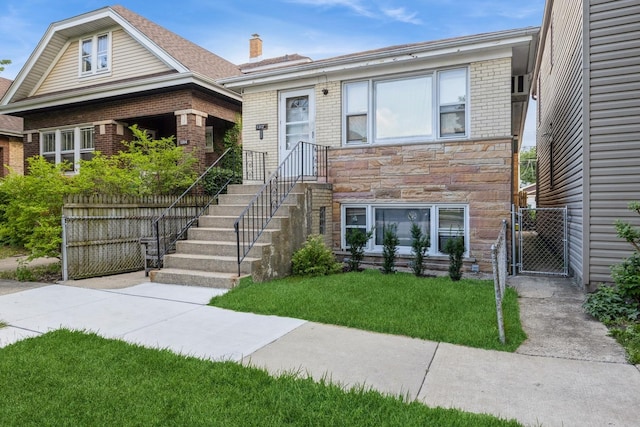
(190, 134)
(108, 136)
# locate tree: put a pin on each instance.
(4, 62)
(528, 162)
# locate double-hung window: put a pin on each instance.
(95, 56)
(69, 145)
(410, 108)
(438, 221)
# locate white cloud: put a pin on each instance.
(355, 5)
(400, 14)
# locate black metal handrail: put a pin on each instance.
(305, 161)
(173, 223)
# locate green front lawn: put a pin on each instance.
(435, 309)
(72, 378)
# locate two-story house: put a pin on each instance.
(587, 86)
(92, 76)
(426, 133)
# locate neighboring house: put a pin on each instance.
(94, 75)
(587, 86)
(10, 138)
(426, 132)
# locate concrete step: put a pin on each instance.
(217, 263)
(224, 234)
(245, 199)
(209, 221)
(216, 248)
(205, 279)
(236, 210)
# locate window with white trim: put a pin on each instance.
(410, 108)
(439, 221)
(68, 145)
(95, 54)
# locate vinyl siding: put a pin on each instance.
(129, 60)
(614, 126)
(560, 124)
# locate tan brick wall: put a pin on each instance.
(329, 114)
(477, 173)
(261, 108)
(491, 98)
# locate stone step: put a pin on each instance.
(236, 210)
(217, 263)
(245, 199)
(210, 221)
(207, 279)
(216, 248)
(224, 234)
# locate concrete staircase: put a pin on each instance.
(209, 255)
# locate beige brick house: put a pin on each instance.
(426, 132)
(94, 75)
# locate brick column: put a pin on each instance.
(108, 136)
(190, 134)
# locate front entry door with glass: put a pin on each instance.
(297, 114)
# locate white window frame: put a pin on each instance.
(94, 55)
(434, 232)
(76, 151)
(435, 109)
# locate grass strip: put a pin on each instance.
(73, 378)
(436, 309)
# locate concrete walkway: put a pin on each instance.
(585, 383)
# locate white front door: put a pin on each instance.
(297, 116)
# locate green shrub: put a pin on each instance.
(315, 259)
(626, 275)
(455, 248)
(419, 246)
(390, 242)
(31, 205)
(357, 240)
(629, 338)
(32, 213)
(229, 169)
(608, 306)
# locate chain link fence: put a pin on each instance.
(105, 235)
(100, 245)
(543, 241)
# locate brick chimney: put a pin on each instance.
(255, 48)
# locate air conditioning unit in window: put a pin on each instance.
(519, 85)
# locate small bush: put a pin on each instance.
(629, 338)
(357, 240)
(626, 275)
(608, 306)
(390, 242)
(455, 248)
(419, 245)
(315, 259)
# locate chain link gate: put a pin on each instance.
(540, 241)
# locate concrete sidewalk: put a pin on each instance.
(537, 389)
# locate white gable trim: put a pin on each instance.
(78, 21)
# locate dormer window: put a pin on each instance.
(95, 54)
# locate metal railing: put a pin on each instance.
(172, 224)
(499, 262)
(254, 168)
(305, 161)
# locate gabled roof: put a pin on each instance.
(9, 125)
(190, 62)
(270, 63)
